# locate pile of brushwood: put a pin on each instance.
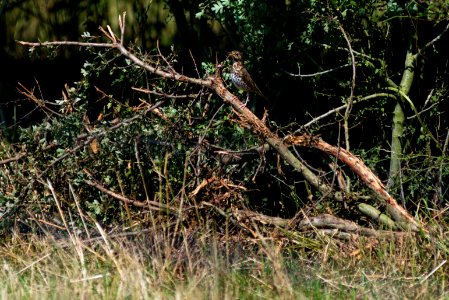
(138, 142)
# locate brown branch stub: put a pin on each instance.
(121, 22)
(204, 183)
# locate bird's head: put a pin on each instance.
(236, 55)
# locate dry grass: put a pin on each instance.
(205, 265)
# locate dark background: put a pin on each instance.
(277, 42)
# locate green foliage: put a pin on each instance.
(247, 17)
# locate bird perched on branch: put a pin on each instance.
(241, 78)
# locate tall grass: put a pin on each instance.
(155, 264)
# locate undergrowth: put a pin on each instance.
(152, 263)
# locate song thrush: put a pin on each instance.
(240, 76)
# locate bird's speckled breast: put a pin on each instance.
(236, 78)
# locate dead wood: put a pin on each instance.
(324, 223)
(399, 214)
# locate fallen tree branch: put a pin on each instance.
(259, 128)
(324, 221)
(399, 214)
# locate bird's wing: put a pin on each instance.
(252, 84)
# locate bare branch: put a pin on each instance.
(194, 63)
(354, 51)
(351, 96)
(317, 73)
(15, 158)
(40, 103)
(332, 111)
(108, 35)
(163, 58)
(114, 38)
(171, 96)
(432, 41)
(65, 43)
(170, 75)
(154, 205)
